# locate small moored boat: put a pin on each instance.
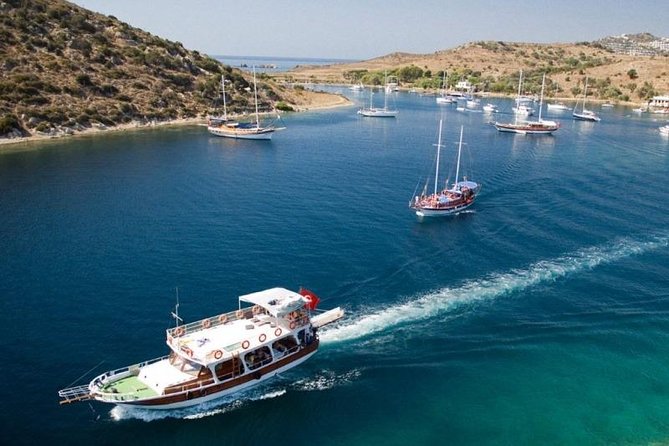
(241, 130)
(218, 355)
(376, 112)
(585, 114)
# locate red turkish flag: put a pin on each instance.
(311, 297)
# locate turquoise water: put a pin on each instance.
(539, 317)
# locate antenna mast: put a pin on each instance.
(175, 313)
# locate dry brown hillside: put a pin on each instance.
(494, 67)
(65, 69)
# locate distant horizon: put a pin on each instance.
(350, 30)
(285, 58)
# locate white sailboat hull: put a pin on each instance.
(435, 212)
(445, 100)
(530, 128)
(585, 117)
(378, 113)
(559, 107)
(256, 134)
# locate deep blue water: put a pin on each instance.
(540, 317)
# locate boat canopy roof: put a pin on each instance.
(468, 184)
(277, 301)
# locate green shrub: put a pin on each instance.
(283, 106)
(9, 123)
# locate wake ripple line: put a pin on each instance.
(497, 285)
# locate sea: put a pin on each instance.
(273, 64)
(540, 316)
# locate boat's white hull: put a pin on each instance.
(378, 113)
(217, 395)
(537, 129)
(260, 134)
(443, 212)
(557, 107)
(585, 117)
(445, 100)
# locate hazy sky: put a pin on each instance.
(362, 29)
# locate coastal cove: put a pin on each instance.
(317, 102)
(538, 316)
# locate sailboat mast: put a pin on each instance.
(255, 91)
(585, 93)
(225, 107)
(520, 83)
(541, 100)
(457, 168)
(385, 95)
(436, 173)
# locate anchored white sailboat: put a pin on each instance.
(374, 112)
(585, 114)
(448, 201)
(445, 98)
(557, 106)
(242, 130)
(521, 108)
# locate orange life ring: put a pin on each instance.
(179, 331)
(293, 324)
(206, 323)
(277, 332)
(262, 337)
(218, 354)
(188, 351)
(239, 314)
(223, 319)
(245, 344)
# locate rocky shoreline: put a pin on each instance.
(18, 141)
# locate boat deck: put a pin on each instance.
(222, 340)
(130, 385)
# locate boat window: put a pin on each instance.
(204, 372)
(258, 358)
(284, 346)
(229, 369)
(185, 365)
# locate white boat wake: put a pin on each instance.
(431, 304)
(419, 308)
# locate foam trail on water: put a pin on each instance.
(496, 285)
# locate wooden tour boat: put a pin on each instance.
(218, 355)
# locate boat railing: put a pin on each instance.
(215, 321)
(72, 394)
(85, 392)
(101, 380)
(189, 386)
